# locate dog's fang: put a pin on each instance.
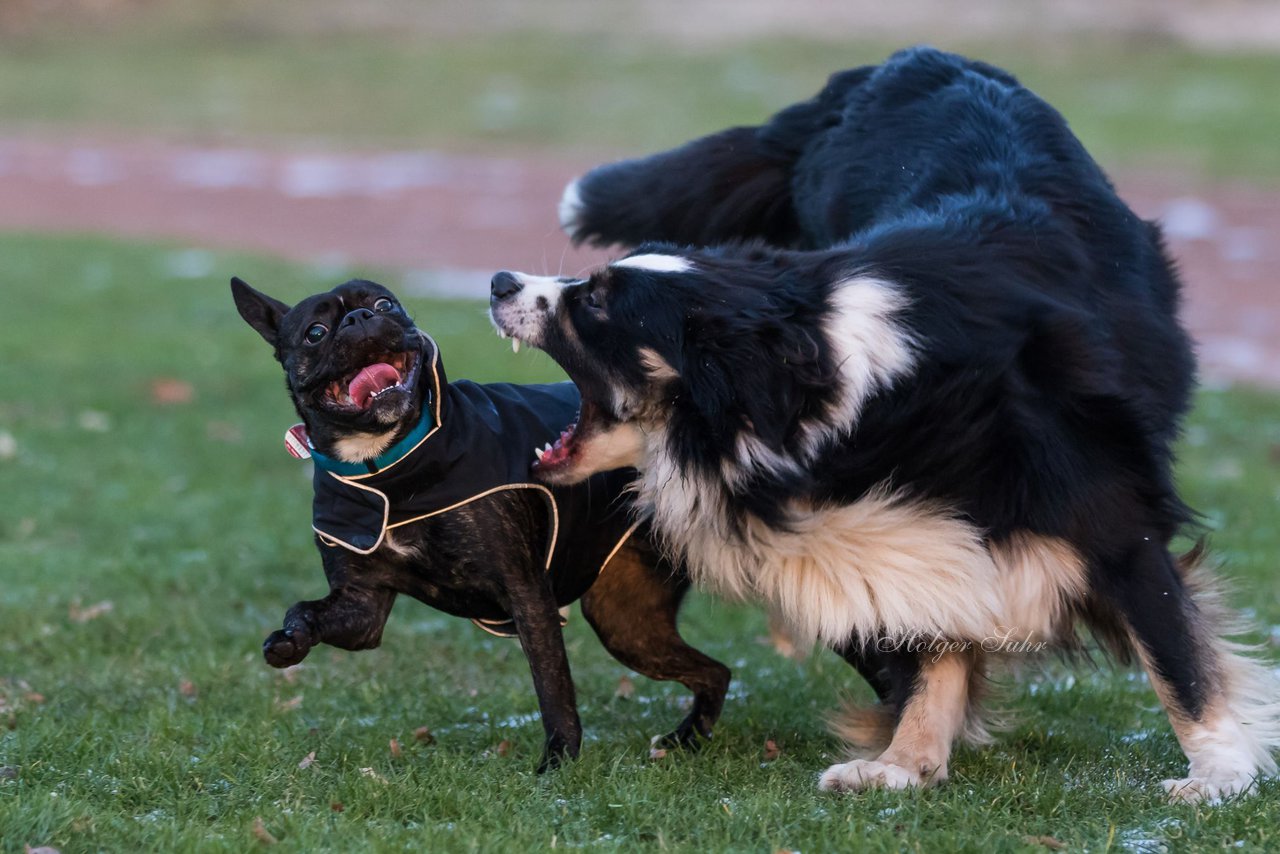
(515, 345)
(540, 452)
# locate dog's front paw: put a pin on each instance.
(1207, 790)
(868, 774)
(286, 648)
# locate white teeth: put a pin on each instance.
(547, 447)
(515, 345)
(540, 452)
(502, 335)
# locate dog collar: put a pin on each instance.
(390, 456)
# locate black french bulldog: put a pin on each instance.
(422, 487)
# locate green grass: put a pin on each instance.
(193, 522)
(1145, 104)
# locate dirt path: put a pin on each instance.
(450, 220)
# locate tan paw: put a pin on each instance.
(862, 774)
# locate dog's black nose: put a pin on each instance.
(356, 315)
(504, 284)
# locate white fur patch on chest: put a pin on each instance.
(359, 447)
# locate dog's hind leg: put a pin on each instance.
(1223, 706)
(632, 607)
(931, 719)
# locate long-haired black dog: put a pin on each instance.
(927, 413)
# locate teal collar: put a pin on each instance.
(390, 456)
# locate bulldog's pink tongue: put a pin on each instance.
(370, 381)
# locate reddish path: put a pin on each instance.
(450, 220)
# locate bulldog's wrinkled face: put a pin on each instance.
(352, 359)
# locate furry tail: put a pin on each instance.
(711, 190)
(732, 185)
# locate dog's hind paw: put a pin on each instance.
(285, 649)
(1206, 790)
(862, 774)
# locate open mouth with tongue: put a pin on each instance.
(385, 376)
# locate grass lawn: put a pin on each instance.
(1135, 104)
(141, 466)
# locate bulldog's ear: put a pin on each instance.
(259, 310)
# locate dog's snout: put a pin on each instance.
(356, 315)
(504, 284)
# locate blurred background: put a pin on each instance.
(153, 529)
(433, 137)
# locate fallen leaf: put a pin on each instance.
(288, 705)
(93, 612)
(306, 761)
(167, 391)
(337, 806)
(1046, 841)
(261, 833)
(657, 753)
(771, 750)
(424, 735)
(1273, 453)
(8, 772)
(33, 697)
(626, 688)
(372, 775)
(187, 688)
(395, 749)
(504, 748)
(43, 849)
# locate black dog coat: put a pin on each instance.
(472, 441)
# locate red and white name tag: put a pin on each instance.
(295, 442)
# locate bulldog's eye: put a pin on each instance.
(593, 300)
(316, 332)
(383, 304)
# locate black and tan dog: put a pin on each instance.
(422, 487)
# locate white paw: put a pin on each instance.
(1207, 790)
(867, 774)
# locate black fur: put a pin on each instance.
(1050, 375)
(484, 560)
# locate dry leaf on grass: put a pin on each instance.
(288, 705)
(771, 750)
(34, 697)
(396, 753)
(261, 833)
(93, 612)
(8, 772)
(423, 735)
(168, 391)
(43, 849)
(657, 753)
(626, 688)
(373, 775)
(337, 806)
(187, 688)
(1046, 841)
(504, 748)
(306, 761)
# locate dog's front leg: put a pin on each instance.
(350, 617)
(537, 622)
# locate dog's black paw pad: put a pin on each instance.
(282, 649)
